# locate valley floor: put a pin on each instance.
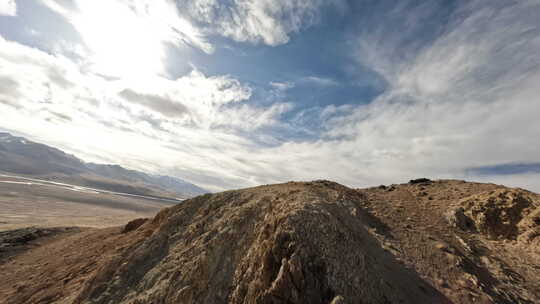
(25, 203)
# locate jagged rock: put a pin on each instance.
(292, 243)
(501, 214)
(456, 218)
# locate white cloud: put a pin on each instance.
(127, 38)
(36, 81)
(267, 21)
(249, 118)
(320, 81)
(468, 99)
(8, 8)
(202, 98)
(282, 86)
(124, 32)
(53, 99)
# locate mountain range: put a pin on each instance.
(23, 157)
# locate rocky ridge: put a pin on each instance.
(316, 242)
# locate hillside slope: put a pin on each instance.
(317, 242)
(23, 157)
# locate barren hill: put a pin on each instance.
(315, 242)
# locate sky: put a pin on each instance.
(237, 93)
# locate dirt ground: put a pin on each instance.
(24, 205)
(467, 264)
(441, 241)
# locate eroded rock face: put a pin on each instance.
(500, 214)
(456, 217)
(529, 228)
(293, 243)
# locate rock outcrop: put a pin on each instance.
(316, 242)
(292, 243)
(500, 214)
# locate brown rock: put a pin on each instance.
(500, 214)
(134, 224)
(304, 248)
(299, 243)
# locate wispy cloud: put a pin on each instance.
(8, 8)
(464, 100)
(157, 103)
(192, 119)
(128, 37)
(282, 86)
(319, 81)
(269, 21)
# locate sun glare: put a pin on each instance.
(124, 42)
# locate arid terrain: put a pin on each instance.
(25, 203)
(425, 241)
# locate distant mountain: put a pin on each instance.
(21, 156)
(165, 182)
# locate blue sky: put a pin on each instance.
(230, 94)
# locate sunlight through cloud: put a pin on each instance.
(127, 39)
